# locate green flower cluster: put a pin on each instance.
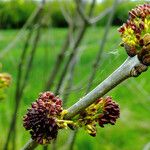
(5, 80)
(135, 33)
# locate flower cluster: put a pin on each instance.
(5, 80)
(45, 117)
(103, 111)
(135, 29)
(41, 118)
(111, 112)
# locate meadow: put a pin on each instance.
(132, 130)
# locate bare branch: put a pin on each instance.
(66, 15)
(30, 145)
(60, 57)
(29, 22)
(126, 70)
(102, 44)
(94, 20)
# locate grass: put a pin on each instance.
(132, 130)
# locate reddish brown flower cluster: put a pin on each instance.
(110, 114)
(140, 11)
(103, 111)
(144, 55)
(41, 118)
(135, 29)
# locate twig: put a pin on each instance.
(101, 48)
(126, 70)
(66, 15)
(130, 68)
(20, 34)
(59, 61)
(72, 138)
(30, 145)
(93, 20)
(72, 54)
(61, 55)
(19, 75)
(19, 91)
(97, 60)
(69, 80)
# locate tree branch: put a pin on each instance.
(93, 20)
(28, 23)
(102, 44)
(130, 68)
(126, 70)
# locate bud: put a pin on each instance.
(41, 118)
(134, 30)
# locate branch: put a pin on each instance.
(102, 44)
(97, 60)
(30, 145)
(74, 50)
(126, 70)
(130, 68)
(94, 20)
(60, 58)
(66, 15)
(29, 22)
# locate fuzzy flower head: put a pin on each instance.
(134, 30)
(41, 118)
(110, 112)
(103, 111)
(5, 80)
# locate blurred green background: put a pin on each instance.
(132, 130)
(14, 13)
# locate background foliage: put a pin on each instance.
(13, 14)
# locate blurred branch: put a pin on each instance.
(30, 145)
(61, 55)
(69, 80)
(19, 75)
(93, 20)
(19, 88)
(74, 49)
(102, 44)
(97, 60)
(66, 15)
(19, 36)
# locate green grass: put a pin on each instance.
(132, 130)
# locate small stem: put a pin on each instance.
(30, 145)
